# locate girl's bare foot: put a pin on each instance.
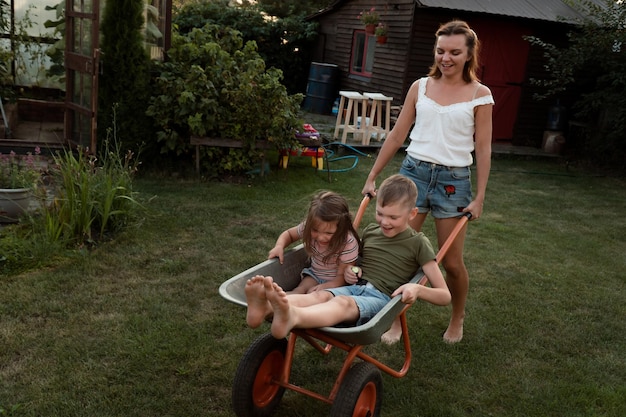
(283, 320)
(258, 306)
(454, 333)
(392, 335)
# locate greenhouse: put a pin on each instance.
(50, 49)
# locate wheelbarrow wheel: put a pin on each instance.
(360, 393)
(254, 392)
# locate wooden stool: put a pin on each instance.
(375, 125)
(352, 110)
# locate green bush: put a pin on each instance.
(215, 85)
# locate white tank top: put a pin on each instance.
(444, 135)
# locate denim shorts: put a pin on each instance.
(444, 191)
(309, 272)
(368, 299)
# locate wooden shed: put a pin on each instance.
(508, 61)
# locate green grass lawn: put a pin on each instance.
(137, 327)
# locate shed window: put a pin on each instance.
(362, 56)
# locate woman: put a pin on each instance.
(452, 113)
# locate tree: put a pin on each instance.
(283, 9)
(284, 42)
(595, 62)
(125, 80)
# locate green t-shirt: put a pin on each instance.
(387, 262)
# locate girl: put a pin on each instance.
(329, 239)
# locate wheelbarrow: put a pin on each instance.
(264, 371)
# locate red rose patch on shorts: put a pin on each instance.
(449, 190)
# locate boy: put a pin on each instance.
(392, 254)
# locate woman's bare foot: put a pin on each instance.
(258, 306)
(392, 335)
(454, 333)
(283, 320)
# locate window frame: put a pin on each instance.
(366, 54)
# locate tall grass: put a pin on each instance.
(88, 199)
(93, 195)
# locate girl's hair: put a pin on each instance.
(397, 189)
(459, 27)
(328, 206)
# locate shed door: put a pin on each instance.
(504, 57)
(81, 63)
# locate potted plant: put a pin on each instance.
(381, 33)
(370, 19)
(19, 177)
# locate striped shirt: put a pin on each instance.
(327, 271)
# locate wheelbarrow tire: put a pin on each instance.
(360, 393)
(254, 394)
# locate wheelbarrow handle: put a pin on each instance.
(457, 228)
(359, 214)
(446, 245)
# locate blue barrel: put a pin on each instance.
(322, 88)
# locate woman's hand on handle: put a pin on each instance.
(369, 188)
(475, 208)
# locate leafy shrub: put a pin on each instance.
(215, 85)
(595, 62)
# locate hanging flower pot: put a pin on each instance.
(14, 202)
(381, 33)
(370, 19)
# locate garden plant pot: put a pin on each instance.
(14, 202)
(370, 29)
(381, 39)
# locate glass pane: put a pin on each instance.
(82, 37)
(76, 87)
(31, 64)
(82, 89)
(357, 52)
(86, 95)
(154, 40)
(81, 130)
(85, 6)
(87, 26)
(30, 16)
(369, 56)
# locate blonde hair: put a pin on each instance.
(459, 27)
(397, 189)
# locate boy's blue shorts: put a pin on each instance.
(368, 299)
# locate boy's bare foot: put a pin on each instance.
(392, 335)
(258, 306)
(454, 333)
(283, 320)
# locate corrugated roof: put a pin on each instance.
(548, 10)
